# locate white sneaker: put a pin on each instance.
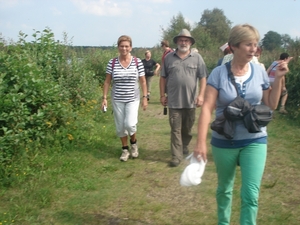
(125, 155)
(134, 150)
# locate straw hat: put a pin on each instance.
(184, 33)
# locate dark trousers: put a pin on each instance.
(181, 123)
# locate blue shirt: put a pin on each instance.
(251, 90)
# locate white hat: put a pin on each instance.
(193, 172)
(223, 47)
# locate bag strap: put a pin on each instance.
(231, 77)
(136, 62)
(113, 64)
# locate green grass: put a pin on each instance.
(89, 185)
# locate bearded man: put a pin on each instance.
(182, 71)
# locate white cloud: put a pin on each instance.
(103, 7)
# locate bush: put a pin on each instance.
(43, 86)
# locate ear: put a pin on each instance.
(232, 48)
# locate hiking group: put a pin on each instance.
(185, 85)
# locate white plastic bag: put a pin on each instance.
(193, 172)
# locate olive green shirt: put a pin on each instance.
(182, 78)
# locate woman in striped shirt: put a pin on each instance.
(125, 73)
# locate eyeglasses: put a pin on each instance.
(184, 40)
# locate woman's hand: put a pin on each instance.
(200, 151)
(104, 103)
(144, 103)
(282, 67)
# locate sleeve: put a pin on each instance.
(140, 67)
(164, 71)
(202, 69)
(109, 67)
(214, 78)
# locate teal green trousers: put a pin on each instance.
(251, 159)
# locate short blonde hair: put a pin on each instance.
(125, 38)
(240, 33)
(146, 52)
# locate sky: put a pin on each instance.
(101, 22)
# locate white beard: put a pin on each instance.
(183, 49)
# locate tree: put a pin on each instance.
(202, 38)
(177, 24)
(286, 40)
(216, 24)
(271, 41)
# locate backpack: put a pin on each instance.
(114, 61)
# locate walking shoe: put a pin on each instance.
(134, 150)
(174, 162)
(148, 97)
(283, 111)
(125, 155)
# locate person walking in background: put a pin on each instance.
(257, 55)
(166, 48)
(226, 51)
(194, 50)
(271, 72)
(125, 72)
(179, 77)
(248, 150)
(228, 56)
(149, 70)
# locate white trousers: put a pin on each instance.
(126, 117)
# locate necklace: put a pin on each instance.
(238, 71)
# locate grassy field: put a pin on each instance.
(89, 185)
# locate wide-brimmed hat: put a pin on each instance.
(184, 33)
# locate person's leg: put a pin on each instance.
(131, 120)
(284, 97)
(124, 141)
(175, 120)
(226, 163)
(119, 116)
(188, 120)
(148, 82)
(252, 163)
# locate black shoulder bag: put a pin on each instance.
(254, 117)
